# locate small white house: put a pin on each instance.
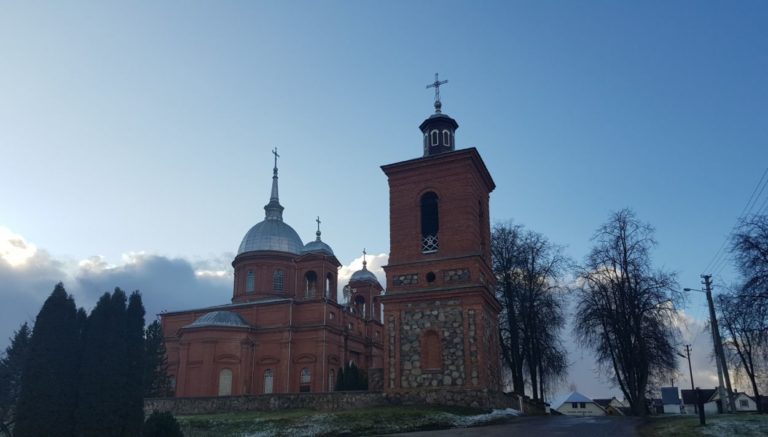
(742, 400)
(670, 398)
(576, 404)
(745, 402)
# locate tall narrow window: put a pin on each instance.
(225, 382)
(435, 137)
(446, 138)
(250, 282)
(430, 223)
(305, 380)
(310, 280)
(431, 351)
(278, 280)
(331, 380)
(328, 285)
(268, 381)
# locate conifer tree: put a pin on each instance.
(49, 380)
(11, 366)
(103, 372)
(134, 390)
(156, 383)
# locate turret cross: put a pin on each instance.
(436, 85)
(274, 152)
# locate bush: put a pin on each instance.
(162, 425)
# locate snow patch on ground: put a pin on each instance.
(726, 426)
(478, 419)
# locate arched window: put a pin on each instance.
(431, 351)
(268, 380)
(250, 282)
(430, 223)
(225, 382)
(278, 280)
(360, 306)
(331, 380)
(305, 380)
(446, 137)
(328, 285)
(310, 279)
(435, 137)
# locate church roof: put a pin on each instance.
(364, 275)
(318, 245)
(219, 318)
(272, 233)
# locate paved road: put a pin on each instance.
(541, 426)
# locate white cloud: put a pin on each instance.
(375, 264)
(14, 249)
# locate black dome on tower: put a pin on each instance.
(439, 129)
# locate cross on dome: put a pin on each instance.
(318, 227)
(365, 263)
(436, 85)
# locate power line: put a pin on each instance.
(718, 261)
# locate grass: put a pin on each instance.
(717, 425)
(364, 421)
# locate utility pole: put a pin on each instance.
(722, 366)
(690, 369)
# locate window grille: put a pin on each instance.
(278, 280)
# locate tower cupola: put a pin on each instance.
(439, 129)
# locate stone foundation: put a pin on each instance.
(340, 401)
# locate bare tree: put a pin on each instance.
(530, 271)
(745, 327)
(625, 308)
(505, 243)
(749, 246)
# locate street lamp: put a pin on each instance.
(722, 367)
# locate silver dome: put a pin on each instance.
(318, 245)
(364, 275)
(219, 318)
(271, 234)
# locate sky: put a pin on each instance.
(135, 137)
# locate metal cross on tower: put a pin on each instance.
(318, 223)
(364, 261)
(274, 152)
(436, 85)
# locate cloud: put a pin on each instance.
(28, 274)
(375, 264)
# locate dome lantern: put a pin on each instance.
(439, 129)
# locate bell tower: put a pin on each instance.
(440, 312)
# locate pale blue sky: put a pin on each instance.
(146, 126)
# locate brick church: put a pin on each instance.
(285, 332)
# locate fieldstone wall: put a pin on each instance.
(375, 379)
(446, 318)
(341, 401)
(227, 404)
